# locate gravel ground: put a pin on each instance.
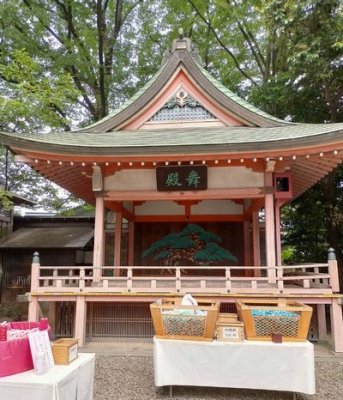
(132, 378)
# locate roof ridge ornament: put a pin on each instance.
(181, 99)
(182, 43)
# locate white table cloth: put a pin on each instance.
(287, 366)
(61, 382)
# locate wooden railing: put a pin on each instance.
(309, 278)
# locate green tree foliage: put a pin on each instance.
(31, 98)
(5, 200)
(307, 83)
(230, 37)
(310, 89)
(29, 102)
(61, 64)
(303, 228)
(94, 42)
(193, 245)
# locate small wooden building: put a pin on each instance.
(184, 150)
(66, 241)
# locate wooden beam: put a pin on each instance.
(257, 204)
(190, 218)
(119, 208)
(210, 194)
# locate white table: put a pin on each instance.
(61, 382)
(287, 366)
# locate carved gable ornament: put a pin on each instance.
(181, 106)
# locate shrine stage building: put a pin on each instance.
(184, 157)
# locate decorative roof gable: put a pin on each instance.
(181, 107)
(182, 70)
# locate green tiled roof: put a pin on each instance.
(132, 142)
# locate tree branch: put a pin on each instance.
(252, 44)
(210, 26)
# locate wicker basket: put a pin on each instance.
(173, 321)
(264, 318)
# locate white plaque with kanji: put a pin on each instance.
(40, 343)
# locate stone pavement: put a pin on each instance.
(130, 348)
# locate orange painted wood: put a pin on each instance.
(247, 245)
(270, 226)
(118, 207)
(181, 124)
(189, 218)
(117, 239)
(131, 243)
(99, 236)
(256, 242)
(80, 318)
(336, 325)
(277, 232)
(210, 194)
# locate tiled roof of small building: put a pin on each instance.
(151, 141)
(49, 237)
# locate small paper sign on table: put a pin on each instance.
(41, 351)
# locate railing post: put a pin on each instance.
(82, 279)
(228, 279)
(280, 283)
(35, 273)
(33, 308)
(129, 280)
(333, 270)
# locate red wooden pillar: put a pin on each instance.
(80, 320)
(131, 241)
(117, 241)
(256, 242)
(270, 225)
(247, 239)
(99, 237)
(278, 204)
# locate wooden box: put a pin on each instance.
(227, 317)
(64, 351)
(264, 318)
(173, 321)
(230, 331)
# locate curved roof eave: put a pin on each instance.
(191, 140)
